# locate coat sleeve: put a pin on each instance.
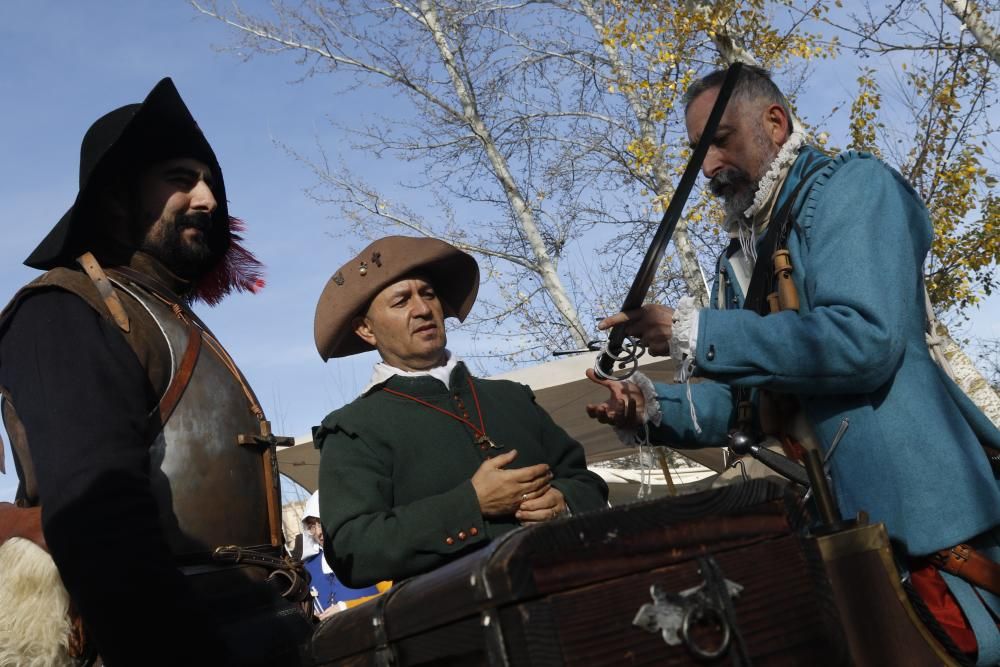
(583, 490)
(706, 426)
(865, 236)
(375, 539)
(84, 398)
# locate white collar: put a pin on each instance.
(745, 226)
(775, 174)
(384, 371)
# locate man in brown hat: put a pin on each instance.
(125, 413)
(429, 462)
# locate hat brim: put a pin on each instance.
(454, 274)
(160, 127)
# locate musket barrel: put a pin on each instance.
(647, 270)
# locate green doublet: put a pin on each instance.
(396, 494)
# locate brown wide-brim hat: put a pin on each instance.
(454, 274)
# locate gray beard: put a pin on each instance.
(734, 206)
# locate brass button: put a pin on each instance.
(473, 531)
(449, 540)
(462, 535)
(710, 355)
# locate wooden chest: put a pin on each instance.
(719, 577)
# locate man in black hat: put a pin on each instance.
(430, 462)
(130, 425)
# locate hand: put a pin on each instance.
(624, 408)
(501, 492)
(652, 325)
(542, 507)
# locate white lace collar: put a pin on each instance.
(775, 173)
(744, 227)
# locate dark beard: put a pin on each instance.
(736, 188)
(187, 260)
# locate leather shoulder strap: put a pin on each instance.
(182, 377)
(108, 295)
(775, 237)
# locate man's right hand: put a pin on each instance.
(652, 325)
(625, 406)
(501, 491)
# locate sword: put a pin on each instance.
(619, 349)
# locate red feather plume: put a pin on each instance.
(237, 270)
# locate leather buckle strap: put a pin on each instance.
(966, 563)
(289, 574)
(235, 554)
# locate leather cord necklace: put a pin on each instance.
(481, 437)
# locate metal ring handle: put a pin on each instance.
(704, 612)
(632, 350)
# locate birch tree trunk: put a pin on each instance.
(545, 267)
(690, 267)
(971, 381)
(959, 367)
(972, 19)
(428, 52)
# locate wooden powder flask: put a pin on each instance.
(785, 296)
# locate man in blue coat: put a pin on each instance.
(844, 351)
(330, 595)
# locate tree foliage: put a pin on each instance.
(557, 125)
(663, 47)
(938, 134)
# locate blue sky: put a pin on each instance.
(67, 63)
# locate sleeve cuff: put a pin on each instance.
(684, 334)
(652, 413)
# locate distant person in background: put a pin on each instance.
(329, 594)
(430, 462)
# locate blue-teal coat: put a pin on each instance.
(911, 456)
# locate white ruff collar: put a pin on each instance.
(775, 173)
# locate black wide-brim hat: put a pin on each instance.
(125, 140)
(453, 273)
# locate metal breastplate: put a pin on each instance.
(210, 490)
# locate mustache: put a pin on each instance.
(201, 220)
(729, 181)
